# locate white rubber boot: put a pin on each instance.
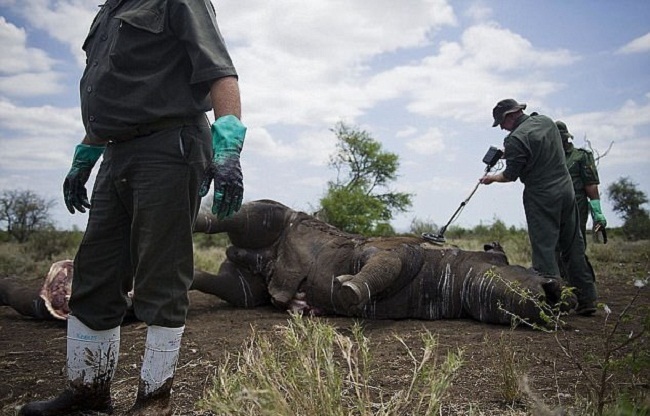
(157, 374)
(91, 362)
(92, 355)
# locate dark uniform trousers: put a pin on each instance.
(139, 234)
(553, 224)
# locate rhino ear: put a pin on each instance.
(494, 246)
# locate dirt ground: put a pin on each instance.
(32, 355)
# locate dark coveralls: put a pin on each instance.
(582, 168)
(145, 91)
(534, 154)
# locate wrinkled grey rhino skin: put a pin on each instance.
(298, 262)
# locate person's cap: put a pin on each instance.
(564, 131)
(505, 107)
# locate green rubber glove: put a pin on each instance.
(74, 186)
(596, 213)
(227, 141)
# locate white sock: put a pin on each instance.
(92, 354)
(160, 356)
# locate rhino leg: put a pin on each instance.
(256, 225)
(209, 224)
(375, 277)
(24, 300)
(235, 285)
(350, 294)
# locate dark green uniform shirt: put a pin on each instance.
(149, 60)
(582, 168)
(534, 154)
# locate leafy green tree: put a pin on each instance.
(23, 213)
(628, 201)
(360, 200)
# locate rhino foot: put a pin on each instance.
(349, 294)
(343, 278)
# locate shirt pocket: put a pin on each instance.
(138, 39)
(149, 19)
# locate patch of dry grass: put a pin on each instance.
(308, 367)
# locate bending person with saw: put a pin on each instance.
(533, 152)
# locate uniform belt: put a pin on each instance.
(160, 125)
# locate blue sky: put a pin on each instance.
(420, 76)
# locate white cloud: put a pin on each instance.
(638, 45)
(310, 146)
(338, 31)
(429, 143)
(67, 21)
(48, 122)
(406, 132)
(491, 47)
(34, 153)
(25, 71)
(32, 84)
(479, 11)
(16, 57)
(464, 78)
(316, 53)
(626, 127)
(316, 146)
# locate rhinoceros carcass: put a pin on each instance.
(297, 262)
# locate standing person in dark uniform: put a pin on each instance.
(534, 154)
(153, 69)
(584, 175)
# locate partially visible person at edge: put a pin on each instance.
(534, 154)
(584, 174)
(153, 70)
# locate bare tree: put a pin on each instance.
(23, 213)
(595, 152)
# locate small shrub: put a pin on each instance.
(52, 245)
(623, 353)
(14, 262)
(209, 259)
(211, 240)
(511, 369)
(419, 226)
